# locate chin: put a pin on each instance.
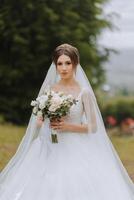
(65, 77)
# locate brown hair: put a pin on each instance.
(68, 50)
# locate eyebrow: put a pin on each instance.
(65, 61)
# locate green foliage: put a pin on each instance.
(29, 31)
(120, 108)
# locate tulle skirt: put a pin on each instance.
(75, 168)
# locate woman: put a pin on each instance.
(83, 164)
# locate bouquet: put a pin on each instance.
(53, 105)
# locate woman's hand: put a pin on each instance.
(60, 124)
(40, 121)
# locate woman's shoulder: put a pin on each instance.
(86, 92)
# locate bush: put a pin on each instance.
(119, 108)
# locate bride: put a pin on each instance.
(83, 165)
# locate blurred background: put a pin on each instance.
(103, 32)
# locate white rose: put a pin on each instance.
(34, 103)
(38, 98)
(56, 100)
(39, 114)
(42, 104)
(52, 108)
(35, 109)
(42, 101)
(45, 98)
(42, 98)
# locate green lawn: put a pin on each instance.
(125, 148)
(10, 137)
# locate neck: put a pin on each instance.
(67, 82)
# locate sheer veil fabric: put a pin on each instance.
(96, 129)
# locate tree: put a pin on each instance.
(29, 31)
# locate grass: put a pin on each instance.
(11, 135)
(124, 145)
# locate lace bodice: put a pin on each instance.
(83, 111)
(76, 111)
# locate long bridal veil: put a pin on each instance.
(99, 136)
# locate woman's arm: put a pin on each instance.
(69, 127)
(89, 108)
(81, 128)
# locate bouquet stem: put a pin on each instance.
(54, 136)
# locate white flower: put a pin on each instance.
(34, 103)
(56, 100)
(53, 108)
(42, 101)
(43, 97)
(35, 109)
(42, 104)
(39, 114)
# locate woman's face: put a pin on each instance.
(65, 67)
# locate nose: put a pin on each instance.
(64, 66)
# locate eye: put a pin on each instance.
(59, 63)
(68, 63)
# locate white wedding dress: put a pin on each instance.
(78, 167)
